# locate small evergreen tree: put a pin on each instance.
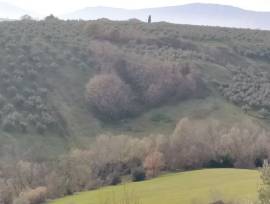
(149, 19)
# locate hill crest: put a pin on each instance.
(194, 14)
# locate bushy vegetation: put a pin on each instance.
(249, 89)
(110, 97)
(111, 158)
(135, 87)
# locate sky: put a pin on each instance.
(57, 7)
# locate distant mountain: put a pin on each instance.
(4, 19)
(9, 11)
(195, 14)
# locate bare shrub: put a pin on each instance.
(240, 145)
(72, 174)
(110, 97)
(245, 143)
(189, 144)
(34, 196)
(153, 163)
(158, 82)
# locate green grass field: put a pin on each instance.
(181, 188)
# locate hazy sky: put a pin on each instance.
(62, 6)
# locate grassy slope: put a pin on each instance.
(144, 125)
(210, 107)
(184, 188)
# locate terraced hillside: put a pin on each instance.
(160, 73)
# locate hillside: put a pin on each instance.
(194, 14)
(89, 104)
(46, 65)
(201, 186)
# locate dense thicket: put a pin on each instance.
(111, 158)
(139, 84)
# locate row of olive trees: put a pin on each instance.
(249, 88)
(23, 93)
(27, 61)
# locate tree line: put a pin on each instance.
(194, 144)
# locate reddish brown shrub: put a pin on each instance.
(109, 96)
(35, 196)
(153, 163)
